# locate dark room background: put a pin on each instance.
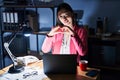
(92, 9)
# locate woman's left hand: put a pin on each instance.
(68, 30)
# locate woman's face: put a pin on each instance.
(65, 19)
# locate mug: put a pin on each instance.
(83, 65)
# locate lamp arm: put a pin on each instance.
(15, 68)
(14, 35)
(6, 45)
(14, 59)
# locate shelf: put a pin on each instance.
(106, 38)
(31, 4)
(11, 31)
(21, 17)
(105, 53)
(28, 6)
(107, 67)
(41, 32)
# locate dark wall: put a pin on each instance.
(98, 8)
(92, 9)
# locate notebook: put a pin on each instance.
(59, 63)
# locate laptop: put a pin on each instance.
(59, 63)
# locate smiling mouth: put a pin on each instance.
(66, 21)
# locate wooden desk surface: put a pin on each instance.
(79, 76)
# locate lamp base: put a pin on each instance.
(16, 69)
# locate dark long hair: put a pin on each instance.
(64, 8)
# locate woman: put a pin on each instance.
(66, 37)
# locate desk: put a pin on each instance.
(79, 76)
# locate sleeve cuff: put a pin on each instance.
(49, 36)
(72, 35)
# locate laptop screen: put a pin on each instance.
(59, 63)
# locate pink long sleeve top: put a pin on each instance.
(78, 42)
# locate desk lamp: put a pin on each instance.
(18, 66)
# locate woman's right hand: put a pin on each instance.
(54, 31)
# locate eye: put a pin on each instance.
(65, 16)
(60, 16)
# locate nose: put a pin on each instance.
(64, 17)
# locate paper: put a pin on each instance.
(28, 70)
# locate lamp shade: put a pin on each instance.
(26, 29)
